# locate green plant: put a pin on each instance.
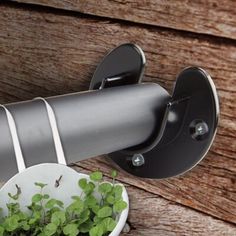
(86, 215)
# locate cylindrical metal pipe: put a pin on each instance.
(90, 124)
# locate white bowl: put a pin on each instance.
(48, 173)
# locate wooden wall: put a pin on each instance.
(50, 47)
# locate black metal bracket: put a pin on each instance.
(188, 124)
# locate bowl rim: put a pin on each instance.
(122, 217)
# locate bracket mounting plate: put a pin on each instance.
(191, 120)
(122, 66)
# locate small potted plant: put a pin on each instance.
(94, 208)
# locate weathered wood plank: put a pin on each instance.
(44, 54)
(207, 17)
(153, 215)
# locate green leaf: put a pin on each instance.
(118, 190)
(90, 201)
(114, 174)
(120, 206)
(25, 226)
(76, 207)
(46, 196)
(35, 218)
(1, 231)
(104, 212)
(95, 209)
(54, 202)
(58, 218)
(97, 220)
(13, 208)
(50, 229)
(60, 204)
(96, 176)
(109, 224)
(22, 216)
(89, 188)
(76, 198)
(35, 207)
(37, 198)
(96, 231)
(85, 227)
(41, 185)
(110, 199)
(12, 223)
(83, 183)
(71, 230)
(51, 203)
(84, 216)
(105, 188)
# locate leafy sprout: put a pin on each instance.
(87, 214)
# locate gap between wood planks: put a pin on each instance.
(208, 17)
(67, 12)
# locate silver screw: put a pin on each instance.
(201, 128)
(138, 160)
(198, 129)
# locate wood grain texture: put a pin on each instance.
(44, 53)
(205, 16)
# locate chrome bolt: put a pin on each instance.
(138, 160)
(199, 129)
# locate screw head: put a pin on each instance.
(198, 129)
(201, 128)
(138, 160)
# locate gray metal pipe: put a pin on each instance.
(90, 123)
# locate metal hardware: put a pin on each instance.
(198, 129)
(172, 149)
(144, 129)
(138, 160)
